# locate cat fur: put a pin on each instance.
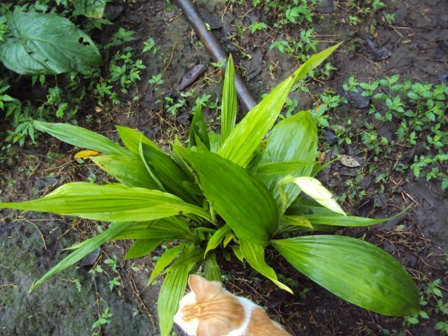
(209, 310)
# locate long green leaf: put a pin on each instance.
(82, 138)
(247, 136)
(339, 220)
(318, 215)
(172, 291)
(283, 167)
(128, 170)
(193, 254)
(245, 139)
(142, 247)
(299, 132)
(132, 138)
(229, 101)
(254, 255)
(109, 203)
(167, 257)
(354, 270)
(315, 61)
(170, 228)
(241, 200)
(88, 246)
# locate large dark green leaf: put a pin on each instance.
(128, 170)
(241, 200)
(166, 172)
(47, 44)
(82, 138)
(354, 270)
(109, 203)
(292, 139)
(87, 246)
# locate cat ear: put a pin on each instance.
(202, 287)
(212, 327)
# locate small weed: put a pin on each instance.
(219, 64)
(150, 46)
(439, 310)
(156, 80)
(173, 107)
(98, 269)
(103, 319)
(112, 262)
(418, 111)
(353, 20)
(257, 26)
(115, 282)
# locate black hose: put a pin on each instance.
(215, 50)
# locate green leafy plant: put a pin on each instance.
(233, 193)
(39, 43)
(103, 319)
(256, 26)
(36, 43)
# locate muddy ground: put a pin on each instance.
(70, 303)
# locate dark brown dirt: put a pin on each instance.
(418, 239)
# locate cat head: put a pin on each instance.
(208, 309)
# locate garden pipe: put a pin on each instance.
(215, 50)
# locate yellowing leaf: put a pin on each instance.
(313, 188)
(85, 154)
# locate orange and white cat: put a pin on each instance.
(209, 310)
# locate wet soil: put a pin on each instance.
(70, 303)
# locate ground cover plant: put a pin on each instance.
(378, 182)
(26, 49)
(62, 62)
(229, 193)
(413, 115)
